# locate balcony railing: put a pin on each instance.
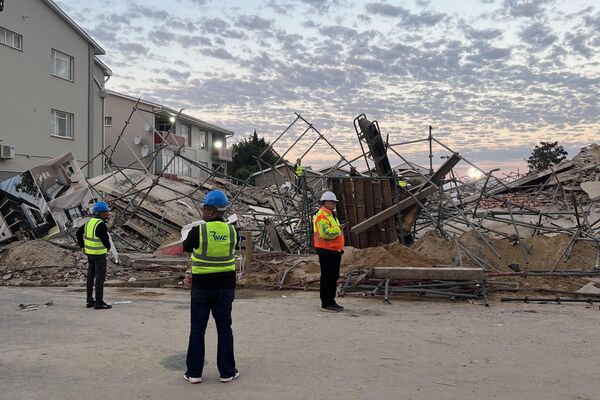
(222, 154)
(170, 139)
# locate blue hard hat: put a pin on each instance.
(216, 198)
(100, 206)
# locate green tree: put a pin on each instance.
(244, 164)
(545, 155)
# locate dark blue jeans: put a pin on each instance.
(205, 301)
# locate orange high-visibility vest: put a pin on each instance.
(327, 232)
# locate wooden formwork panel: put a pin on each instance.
(360, 199)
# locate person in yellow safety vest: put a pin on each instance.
(298, 167)
(329, 244)
(212, 247)
(402, 183)
(94, 240)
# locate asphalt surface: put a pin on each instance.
(287, 349)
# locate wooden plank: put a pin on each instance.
(410, 215)
(393, 210)
(377, 208)
(369, 212)
(246, 247)
(441, 273)
(273, 237)
(390, 223)
(341, 206)
(360, 210)
(348, 186)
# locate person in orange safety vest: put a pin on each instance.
(329, 245)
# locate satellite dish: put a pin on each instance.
(147, 128)
(137, 139)
(145, 150)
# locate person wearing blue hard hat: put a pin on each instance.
(94, 240)
(212, 247)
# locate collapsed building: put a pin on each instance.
(440, 236)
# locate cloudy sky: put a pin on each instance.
(493, 77)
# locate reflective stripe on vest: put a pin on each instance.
(92, 245)
(217, 248)
(336, 244)
(299, 169)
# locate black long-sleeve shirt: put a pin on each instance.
(101, 232)
(219, 280)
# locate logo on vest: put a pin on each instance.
(218, 238)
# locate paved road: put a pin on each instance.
(287, 349)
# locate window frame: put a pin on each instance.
(111, 120)
(70, 124)
(188, 135)
(71, 65)
(4, 31)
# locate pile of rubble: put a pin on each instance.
(150, 212)
(40, 263)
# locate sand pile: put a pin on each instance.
(545, 251)
(304, 269)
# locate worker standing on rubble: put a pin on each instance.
(329, 245)
(298, 172)
(94, 240)
(212, 247)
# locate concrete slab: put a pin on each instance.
(287, 349)
(592, 189)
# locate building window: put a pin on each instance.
(163, 124)
(62, 124)
(107, 121)
(203, 139)
(11, 39)
(73, 213)
(185, 131)
(62, 65)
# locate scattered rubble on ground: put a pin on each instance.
(539, 231)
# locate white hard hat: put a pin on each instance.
(328, 196)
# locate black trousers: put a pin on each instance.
(330, 272)
(97, 272)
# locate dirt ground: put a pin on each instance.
(287, 349)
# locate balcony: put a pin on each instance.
(222, 154)
(170, 139)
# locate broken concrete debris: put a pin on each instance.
(547, 223)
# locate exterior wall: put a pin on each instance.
(28, 92)
(119, 109)
(197, 153)
(97, 125)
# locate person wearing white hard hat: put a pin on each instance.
(329, 244)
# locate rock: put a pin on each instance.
(7, 277)
(131, 280)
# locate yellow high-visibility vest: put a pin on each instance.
(92, 245)
(216, 251)
(327, 232)
(298, 169)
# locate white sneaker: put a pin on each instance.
(236, 373)
(190, 379)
